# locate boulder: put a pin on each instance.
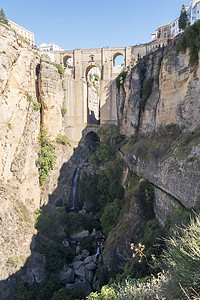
(91, 266)
(77, 237)
(85, 253)
(88, 259)
(65, 243)
(66, 275)
(78, 257)
(77, 264)
(80, 273)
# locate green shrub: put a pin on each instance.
(182, 259)
(190, 40)
(9, 126)
(29, 97)
(41, 291)
(109, 216)
(107, 293)
(64, 294)
(61, 70)
(121, 78)
(63, 111)
(64, 140)
(110, 140)
(4, 52)
(47, 158)
(88, 243)
(103, 188)
(36, 106)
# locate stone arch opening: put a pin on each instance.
(68, 61)
(92, 140)
(118, 59)
(93, 94)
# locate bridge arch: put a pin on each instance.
(68, 61)
(118, 59)
(92, 74)
(92, 140)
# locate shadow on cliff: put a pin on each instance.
(46, 257)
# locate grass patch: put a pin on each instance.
(64, 140)
(60, 69)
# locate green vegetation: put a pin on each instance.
(41, 291)
(101, 189)
(64, 140)
(14, 262)
(36, 106)
(9, 126)
(47, 158)
(167, 141)
(29, 97)
(63, 111)
(109, 216)
(182, 259)
(121, 78)
(94, 82)
(110, 140)
(4, 52)
(61, 70)
(3, 18)
(190, 40)
(182, 22)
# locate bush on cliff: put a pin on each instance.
(3, 18)
(182, 260)
(101, 189)
(110, 140)
(47, 157)
(109, 216)
(191, 41)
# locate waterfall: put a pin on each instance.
(74, 189)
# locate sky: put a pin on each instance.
(89, 24)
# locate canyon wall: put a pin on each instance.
(26, 80)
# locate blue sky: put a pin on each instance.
(92, 24)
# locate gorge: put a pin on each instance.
(139, 171)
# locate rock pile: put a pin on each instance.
(79, 274)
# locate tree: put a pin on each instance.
(182, 22)
(3, 18)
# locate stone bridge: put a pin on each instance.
(89, 84)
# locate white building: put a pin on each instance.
(171, 30)
(49, 47)
(174, 28)
(28, 35)
(195, 11)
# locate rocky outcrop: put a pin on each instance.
(51, 87)
(26, 79)
(19, 129)
(173, 98)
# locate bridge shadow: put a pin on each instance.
(33, 272)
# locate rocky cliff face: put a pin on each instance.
(172, 98)
(25, 80)
(159, 105)
(20, 191)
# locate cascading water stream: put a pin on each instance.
(74, 189)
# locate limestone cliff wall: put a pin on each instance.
(175, 95)
(25, 80)
(19, 128)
